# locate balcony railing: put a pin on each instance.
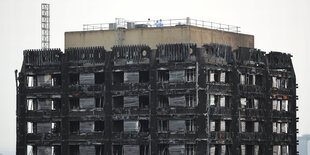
(164, 23)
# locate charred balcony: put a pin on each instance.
(35, 59)
(86, 57)
(169, 53)
(131, 55)
(134, 129)
(91, 129)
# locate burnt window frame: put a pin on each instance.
(99, 149)
(57, 127)
(74, 127)
(190, 125)
(74, 78)
(56, 80)
(120, 126)
(190, 75)
(74, 103)
(163, 76)
(119, 148)
(144, 101)
(144, 125)
(163, 101)
(99, 126)
(163, 125)
(144, 76)
(56, 104)
(74, 149)
(99, 78)
(118, 77)
(192, 98)
(119, 100)
(99, 102)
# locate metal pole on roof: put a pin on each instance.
(188, 21)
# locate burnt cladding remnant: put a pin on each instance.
(178, 99)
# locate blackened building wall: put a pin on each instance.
(176, 99)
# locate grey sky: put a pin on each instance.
(278, 25)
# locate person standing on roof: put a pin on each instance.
(157, 24)
(160, 23)
(148, 23)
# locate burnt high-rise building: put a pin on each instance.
(172, 90)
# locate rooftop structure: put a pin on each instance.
(172, 31)
(176, 94)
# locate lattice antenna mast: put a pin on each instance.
(45, 26)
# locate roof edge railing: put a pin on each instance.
(161, 23)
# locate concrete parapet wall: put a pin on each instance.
(154, 36)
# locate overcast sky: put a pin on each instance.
(278, 25)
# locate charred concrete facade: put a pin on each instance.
(175, 99)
